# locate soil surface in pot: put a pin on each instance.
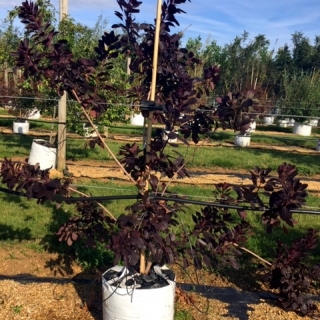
(20, 121)
(140, 281)
(45, 143)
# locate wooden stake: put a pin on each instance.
(142, 261)
(154, 74)
(62, 108)
(152, 98)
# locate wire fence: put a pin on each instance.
(167, 194)
(78, 121)
(12, 101)
(154, 196)
(267, 105)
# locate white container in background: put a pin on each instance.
(137, 119)
(242, 140)
(129, 303)
(88, 132)
(165, 136)
(34, 114)
(314, 122)
(291, 122)
(21, 127)
(253, 126)
(302, 129)
(268, 120)
(283, 123)
(42, 154)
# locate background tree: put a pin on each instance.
(209, 53)
(10, 36)
(81, 38)
(302, 52)
(245, 62)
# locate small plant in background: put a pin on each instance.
(17, 309)
(234, 111)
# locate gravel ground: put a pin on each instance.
(41, 285)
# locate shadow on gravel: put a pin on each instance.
(89, 286)
(238, 301)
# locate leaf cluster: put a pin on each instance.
(234, 109)
(50, 58)
(285, 193)
(147, 226)
(292, 275)
(176, 90)
(34, 181)
(133, 160)
(90, 224)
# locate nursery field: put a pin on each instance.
(42, 278)
(243, 202)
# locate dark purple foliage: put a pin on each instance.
(42, 56)
(291, 275)
(285, 193)
(91, 224)
(216, 234)
(34, 181)
(147, 227)
(234, 111)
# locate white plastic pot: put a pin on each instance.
(302, 129)
(314, 122)
(268, 120)
(283, 123)
(137, 119)
(88, 132)
(21, 127)
(130, 303)
(253, 126)
(34, 114)
(242, 140)
(291, 122)
(42, 154)
(165, 136)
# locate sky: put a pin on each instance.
(219, 20)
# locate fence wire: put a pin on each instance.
(153, 196)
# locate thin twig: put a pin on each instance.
(103, 142)
(253, 254)
(99, 204)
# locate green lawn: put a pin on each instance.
(204, 157)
